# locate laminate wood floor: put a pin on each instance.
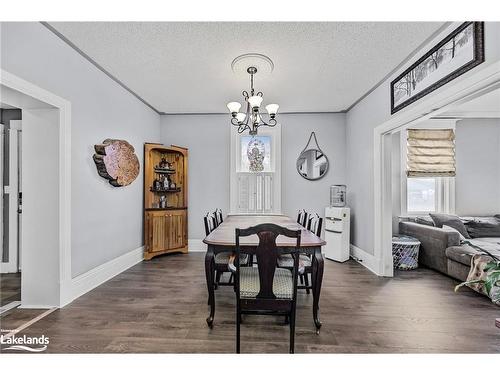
(160, 306)
(16, 317)
(10, 288)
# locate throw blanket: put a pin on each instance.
(478, 263)
(491, 245)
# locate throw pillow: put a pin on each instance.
(484, 227)
(448, 228)
(450, 220)
(425, 220)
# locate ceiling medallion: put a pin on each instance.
(252, 119)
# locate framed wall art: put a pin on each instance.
(459, 52)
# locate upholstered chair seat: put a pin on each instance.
(223, 258)
(286, 261)
(250, 284)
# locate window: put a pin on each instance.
(255, 185)
(428, 195)
(255, 153)
(423, 195)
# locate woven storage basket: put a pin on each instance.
(405, 252)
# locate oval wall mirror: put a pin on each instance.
(312, 163)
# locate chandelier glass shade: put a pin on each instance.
(252, 119)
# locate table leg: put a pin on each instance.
(317, 280)
(209, 274)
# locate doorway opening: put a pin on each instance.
(38, 193)
(10, 206)
(388, 138)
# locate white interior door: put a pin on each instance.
(13, 190)
(2, 129)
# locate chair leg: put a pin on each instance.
(238, 322)
(306, 279)
(292, 331)
(302, 279)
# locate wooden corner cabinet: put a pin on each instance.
(165, 200)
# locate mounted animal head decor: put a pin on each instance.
(116, 162)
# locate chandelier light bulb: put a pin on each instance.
(241, 117)
(233, 107)
(272, 109)
(255, 101)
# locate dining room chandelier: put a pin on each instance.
(252, 119)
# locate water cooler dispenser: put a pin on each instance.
(337, 230)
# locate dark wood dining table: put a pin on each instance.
(222, 239)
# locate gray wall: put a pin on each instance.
(298, 192)
(366, 115)
(106, 221)
(477, 183)
(208, 140)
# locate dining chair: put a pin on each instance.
(209, 222)
(221, 259)
(302, 217)
(218, 217)
(266, 289)
(314, 225)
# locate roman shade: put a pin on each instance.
(430, 153)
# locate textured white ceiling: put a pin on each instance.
(185, 67)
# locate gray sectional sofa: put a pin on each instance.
(442, 249)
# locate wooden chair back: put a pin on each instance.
(302, 217)
(267, 254)
(218, 217)
(209, 223)
(315, 224)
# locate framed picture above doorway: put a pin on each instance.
(459, 52)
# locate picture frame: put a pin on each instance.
(457, 53)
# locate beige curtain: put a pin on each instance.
(431, 153)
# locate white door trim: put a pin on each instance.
(12, 265)
(432, 105)
(64, 106)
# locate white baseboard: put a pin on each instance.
(9, 306)
(38, 307)
(196, 246)
(365, 259)
(84, 283)
(8, 268)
